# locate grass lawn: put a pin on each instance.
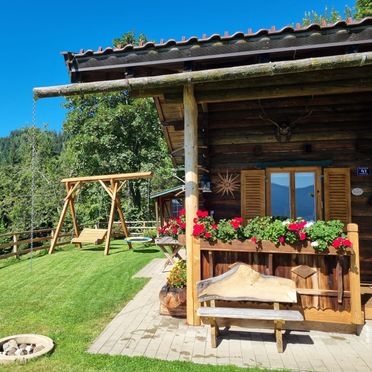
(70, 296)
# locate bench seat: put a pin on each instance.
(242, 283)
(255, 314)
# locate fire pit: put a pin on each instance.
(21, 348)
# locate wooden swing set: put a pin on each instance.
(112, 184)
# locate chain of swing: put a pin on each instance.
(33, 172)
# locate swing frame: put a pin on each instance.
(112, 184)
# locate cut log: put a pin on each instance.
(242, 283)
(328, 63)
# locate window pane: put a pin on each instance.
(280, 194)
(305, 195)
(176, 207)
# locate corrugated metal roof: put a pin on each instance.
(168, 191)
(216, 37)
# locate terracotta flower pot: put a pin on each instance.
(173, 301)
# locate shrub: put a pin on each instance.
(177, 277)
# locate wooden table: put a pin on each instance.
(170, 247)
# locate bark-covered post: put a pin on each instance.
(191, 199)
(356, 302)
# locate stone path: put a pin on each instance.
(139, 330)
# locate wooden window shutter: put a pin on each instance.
(337, 198)
(252, 193)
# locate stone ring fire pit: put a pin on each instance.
(21, 348)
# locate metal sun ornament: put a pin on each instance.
(227, 184)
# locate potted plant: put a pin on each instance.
(173, 295)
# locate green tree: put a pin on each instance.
(363, 8)
(129, 38)
(327, 16)
(16, 179)
(112, 133)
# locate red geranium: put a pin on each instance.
(236, 222)
(207, 235)
(254, 239)
(302, 236)
(202, 214)
(182, 212)
(282, 240)
(214, 226)
(198, 229)
(341, 243)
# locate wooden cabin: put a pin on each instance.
(285, 115)
(168, 204)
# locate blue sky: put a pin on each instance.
(34, 33)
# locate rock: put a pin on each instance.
(11, 351)
(38, 348)
(29, 349)
(23, 346)
(21, 352)
(10, 344)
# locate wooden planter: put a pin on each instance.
(267, 246)
(173, 301)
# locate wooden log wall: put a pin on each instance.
(337, 133)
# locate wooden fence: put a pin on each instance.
(19, 242)
(134, 227)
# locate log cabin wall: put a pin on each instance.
(337, 133)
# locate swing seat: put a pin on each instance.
(93, 236)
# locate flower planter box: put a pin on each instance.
(173, 301)
(264, 246)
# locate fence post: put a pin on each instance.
(15, 245)
(356, 301)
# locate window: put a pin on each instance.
(294, 192)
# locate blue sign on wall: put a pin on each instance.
(363, 171)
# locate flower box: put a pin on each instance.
(264, 246)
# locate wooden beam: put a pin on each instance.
(59, 227)
(214, 75)
(109, 177)
(70, 191)
(105, 187)
(191, 200)
(356, 301)
(269, 92)
(111, 218)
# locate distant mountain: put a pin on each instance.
(11, 147)
(304, 201)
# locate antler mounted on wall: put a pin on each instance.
(284, 130)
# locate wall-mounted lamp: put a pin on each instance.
(205, 183)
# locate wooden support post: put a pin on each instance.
(111, 219)
(122, 221)
(70, 199)
(191, 199)
(279, 335)
(59, 226)
(356, 301)
(157, 215)
(15, 245)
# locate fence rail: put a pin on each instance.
(134, 227)
(16, 243)
(18, 239)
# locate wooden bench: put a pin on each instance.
(242, 283)
(93, 236)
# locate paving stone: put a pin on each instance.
(139, 330)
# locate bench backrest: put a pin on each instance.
(242, 283)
